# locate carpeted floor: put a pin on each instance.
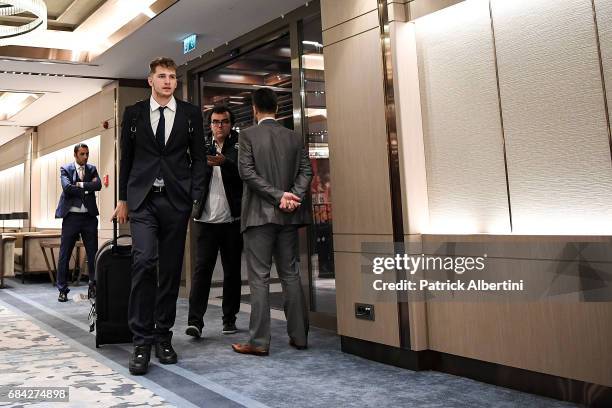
(210, 374)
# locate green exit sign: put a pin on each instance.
(189, 43)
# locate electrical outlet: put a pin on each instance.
(364, 311)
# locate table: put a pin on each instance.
(44, 245)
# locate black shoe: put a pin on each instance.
(165, 353)
(193, 331)
(229, 328)
(63, 297)
(139, 360)
(91, 291)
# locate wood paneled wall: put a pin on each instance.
(358, 157)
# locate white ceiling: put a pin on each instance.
(215, 22)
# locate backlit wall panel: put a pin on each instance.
(559, 161)
(603, 9)
(11, 194)
(461, 121)
(49, 175)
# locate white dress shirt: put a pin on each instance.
(265, 118)
(216, 208)
(169, 114)
(81, 172)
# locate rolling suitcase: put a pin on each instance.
(114, 281)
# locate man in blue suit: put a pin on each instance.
(77, 206)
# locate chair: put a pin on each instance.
(29, 258)
(7, 248)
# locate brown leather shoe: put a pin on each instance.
(247, 348)
(295, 346)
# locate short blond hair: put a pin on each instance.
(161, 62)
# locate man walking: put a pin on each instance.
(77, 206)
(275, 169)
(217, 226)
(161, 176)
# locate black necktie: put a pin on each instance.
(161, 128)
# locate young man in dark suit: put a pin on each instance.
(161, 177)
(77, 206)
(217, 226)
(276, 172)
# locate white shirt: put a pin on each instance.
(79, 184)
(216, 208)
(265, 118)
(169, 114)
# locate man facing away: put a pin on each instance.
(217, 227)
(161, 174)
(276, 172)
(77, 206)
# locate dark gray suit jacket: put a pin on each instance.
(271, 160)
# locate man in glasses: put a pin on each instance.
(217, 226)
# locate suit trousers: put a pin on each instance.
(158, 244)
(212, 239)
(261, 243)
(73, 225)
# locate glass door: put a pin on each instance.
(314, 122)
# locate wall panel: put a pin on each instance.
(14, 152)
(11, 194)
(603, 10)
(334, 12)
(384, 329)
(461, 121)
(556, 132)
(357, 141)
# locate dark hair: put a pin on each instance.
(265, 100)
(222, 109)
(161, 62)
(78, 146)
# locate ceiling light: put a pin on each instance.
(13, 102)
(314, 43)
(15, 7)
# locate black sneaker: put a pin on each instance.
(193, 331)
(139, 360)
(229, 328)
(165, 353)
(63, 297)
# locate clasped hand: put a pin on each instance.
(289, 202)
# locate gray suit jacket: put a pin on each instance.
(271, 160)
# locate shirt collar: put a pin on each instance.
(266, 118)
(171, 104)
(77, 165)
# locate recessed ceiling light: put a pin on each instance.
(12, 103)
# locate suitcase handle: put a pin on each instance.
(116, 237)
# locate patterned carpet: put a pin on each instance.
(43, 342)
(34, 358)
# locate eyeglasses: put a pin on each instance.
(220, 122)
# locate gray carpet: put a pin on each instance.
(209, 373)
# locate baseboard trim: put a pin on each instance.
(564, 389)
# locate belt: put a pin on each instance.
(158, 189)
